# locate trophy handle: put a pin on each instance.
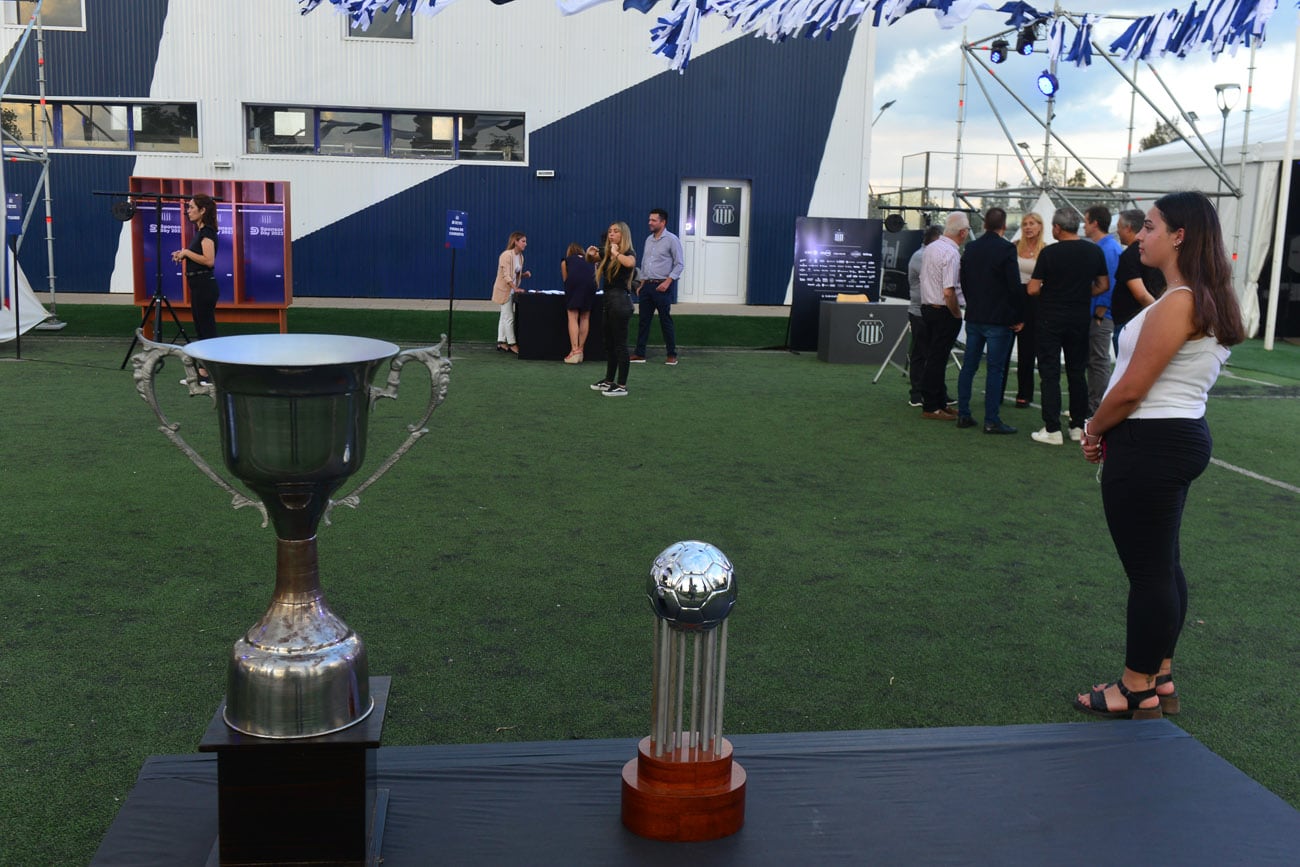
(439, 375)
(146, 369)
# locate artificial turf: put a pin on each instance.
(892, 571)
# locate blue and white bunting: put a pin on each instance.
(1214, 26)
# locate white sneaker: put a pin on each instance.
(1051, 438)
(1076, 434)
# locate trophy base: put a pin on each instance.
(307, 801)
(298, 694)
(680, 799)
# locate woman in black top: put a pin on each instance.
(199, 259)
(617, 262)
(579, 275)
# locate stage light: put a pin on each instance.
(1025, 41)
(998, 50)
(1047, 84)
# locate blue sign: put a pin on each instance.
(13, 214)
(262, 227)
(456, 229)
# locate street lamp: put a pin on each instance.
(1226, 95)
(882, 110)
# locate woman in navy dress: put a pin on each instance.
(579, 293)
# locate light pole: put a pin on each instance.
(882, 110)
(1226, 95)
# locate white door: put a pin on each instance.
(714, 228)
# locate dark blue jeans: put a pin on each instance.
(997, 340)
(1149, 466)
(653, 301)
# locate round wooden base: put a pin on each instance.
(680, 798)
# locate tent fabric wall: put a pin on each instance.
(26, 314)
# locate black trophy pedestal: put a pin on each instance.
(301, 801)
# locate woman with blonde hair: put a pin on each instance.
(1150, 430)
(1031, 243)
(510, 274)
(617, 264)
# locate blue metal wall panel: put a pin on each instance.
(748, 110)
(114, 57)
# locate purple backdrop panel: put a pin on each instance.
(263, 234)
(224, 270)
(171, 240)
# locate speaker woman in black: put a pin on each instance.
(199, 258)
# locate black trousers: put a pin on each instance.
(1149, 466)
(941, 330)
(1027, 352)
(1057, 333)
(203, 304)
(618, 313)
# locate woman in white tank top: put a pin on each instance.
(1150, 429)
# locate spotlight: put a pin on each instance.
(123, 210)
(1047, 84)
(998, 50)
(1025, 41)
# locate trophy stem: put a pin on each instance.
(300, 671)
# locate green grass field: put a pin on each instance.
(893, 572)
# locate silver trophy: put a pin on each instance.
(293, 411)
(684, 784)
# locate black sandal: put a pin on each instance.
(502, 347)
(1169, 704)
(1096, 704)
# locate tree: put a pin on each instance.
(1162, 134)
(1078, 179)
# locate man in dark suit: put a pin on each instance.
(990, 278)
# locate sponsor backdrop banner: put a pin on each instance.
(263, 230)
(898, 248)
(831, 256)
(172, 273)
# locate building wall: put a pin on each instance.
(619, 130)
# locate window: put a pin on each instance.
(492, 137)
(385, 25)
(93, 127)
(393, 134)
(281, 130)
(168, 127)
(55, 13)
(353, 133)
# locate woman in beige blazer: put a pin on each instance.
(510, 273)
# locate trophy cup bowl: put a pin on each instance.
(294, 411)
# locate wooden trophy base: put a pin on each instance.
(299, 801)
(681, 798)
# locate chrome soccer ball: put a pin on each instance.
(692, 586)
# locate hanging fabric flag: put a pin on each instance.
(1080, 53)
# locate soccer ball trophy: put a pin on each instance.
(683, 785)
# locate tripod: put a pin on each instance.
(124, 210)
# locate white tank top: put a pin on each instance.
(1026, 268)
(1182, 388)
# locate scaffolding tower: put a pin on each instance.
(14, 150)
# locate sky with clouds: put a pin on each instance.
(918, 64)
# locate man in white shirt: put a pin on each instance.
(941, 312)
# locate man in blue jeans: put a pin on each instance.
(990, 278)
(661, 266)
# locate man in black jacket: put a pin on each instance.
(990, 278)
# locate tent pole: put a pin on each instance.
(1283, 198)
(961, 118)
(1241, 166)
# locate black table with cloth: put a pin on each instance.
(1061, 794)
(542, 327)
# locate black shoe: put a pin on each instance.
(999, 428)
(1022, 403)
(965, 421)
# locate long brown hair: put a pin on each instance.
(1203, 263)
(609, 265)
(514, 236)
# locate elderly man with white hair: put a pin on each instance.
(941, 312)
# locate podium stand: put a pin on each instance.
(299, 801)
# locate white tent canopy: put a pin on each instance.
(20, 311)
(1247, 222)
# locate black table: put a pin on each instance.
(542, 328)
